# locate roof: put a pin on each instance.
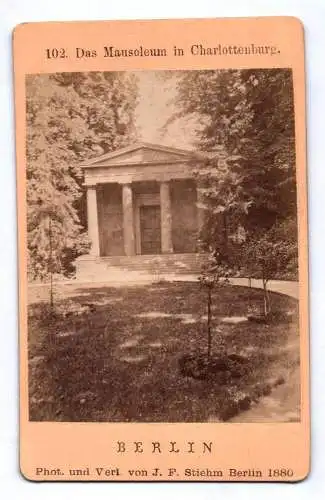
(143, 153)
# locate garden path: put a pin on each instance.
(290, 288)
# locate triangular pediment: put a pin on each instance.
(139, 154)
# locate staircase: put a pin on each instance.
(138, 267)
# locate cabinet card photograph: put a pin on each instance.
(162, 250)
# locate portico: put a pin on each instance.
(142, 200)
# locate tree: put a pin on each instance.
(225, 206)
(270, 256)
(213, 275)
(249, 115)
(70, 117)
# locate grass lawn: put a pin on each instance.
(111, 354)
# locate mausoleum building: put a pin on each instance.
(143, 201)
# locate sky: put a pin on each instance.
(156, 107)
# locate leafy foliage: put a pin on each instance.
(245, 124)
(271, 254)
(70, 117)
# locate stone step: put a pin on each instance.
(135, 266)
(162, 262)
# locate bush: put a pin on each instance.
(222, 369)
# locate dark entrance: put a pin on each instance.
(150, 229)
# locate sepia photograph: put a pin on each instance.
(162, 233)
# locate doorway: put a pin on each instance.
(150, 229)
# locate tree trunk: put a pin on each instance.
(250, 293)
(265, 298)
(225, 235)
(51, 263)
(268, 301)
(51, 291)
(209, 321)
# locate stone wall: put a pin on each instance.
(184, 216)
(110, 220)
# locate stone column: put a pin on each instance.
(128, 225)
(166, 219)
(92, 214)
